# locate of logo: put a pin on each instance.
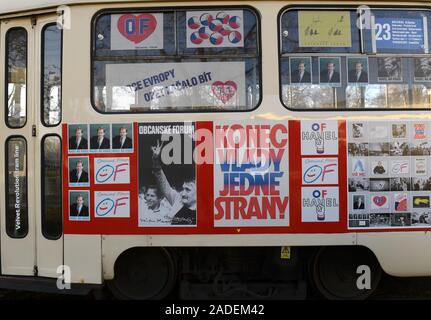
(400, 167)
(137, 28)
(320, 171)
(108, 171)
(112, 204)
(112, 170)
(224, 91)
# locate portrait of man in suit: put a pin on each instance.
(122, 141)
(78, 141)
(358, 70)
(99, 141)
(330, 71)
(78, 209)
(300, 70)
(78, 174)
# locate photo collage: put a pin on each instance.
(389, 174)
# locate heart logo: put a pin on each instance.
(379, 200)
(224, 91)
(137, 28)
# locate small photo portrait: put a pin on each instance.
(389, 69)
(329, 71)
(379, 185)
(419, 148)
(79, 205)
(300, 70)
(400, 149)
(359, 184)
(379, 149)
(400, 184)
(357, 130)
(359, 202)
(399, 131)
(403, 219)
(358, 149)
(100, 137)
(357, 70)
(78, 138)
(422, 69)
(380, 220)
(379, 167)
(122, 136)
(421, 184)
(421, 217)
(79, 171)
(421, 201)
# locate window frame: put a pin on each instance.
(344, 55)
(6, 77)
(42, 183)
(101, 12)
(7, 185)
(42, 73)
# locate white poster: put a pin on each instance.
(215, 29)
(319, 137)
(320, 204)
(319, 171)
(112, 204)
(251, 174)
(138, 31)
(111, 170)
(188, 84)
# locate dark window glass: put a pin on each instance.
(52, 217)
(204, 59)
(391, 69)
(16, 187)
(51, 74)
(16, 77)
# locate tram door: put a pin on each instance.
(31, 211)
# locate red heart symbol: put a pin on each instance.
(137, 28)
(379, 200)
(224, 90)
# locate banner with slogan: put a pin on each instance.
(324, 29)
(137, 31)
(161, 85)
(251, 174)
(215, 29)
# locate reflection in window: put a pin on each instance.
(16, 77)
(309, 96)
(215, 67)
(16, 188)
(51, 68)
(52, 224)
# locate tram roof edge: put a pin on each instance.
(12, 7)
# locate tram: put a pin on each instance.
(214, 149)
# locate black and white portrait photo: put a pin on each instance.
(422, 69)
(389, 69)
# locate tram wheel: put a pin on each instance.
(333, 271)
(144, 274)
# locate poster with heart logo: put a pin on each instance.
(215, 29)
(137, 31)
(157, 86)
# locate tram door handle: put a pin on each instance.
(33, 130)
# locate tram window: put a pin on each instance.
(16, 188)
(352, 68)
(52, 216)
(177, 60)
(51, 74)
(16, 77)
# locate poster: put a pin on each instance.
(394, 184)
(156, 86)
(215, 29)
(320, 204)
(396, 34)
(112, 170)
(112, 204)
(137, 31)
(319, 171)
(324, 29)
(319, 137)
(251, 174)
(167, 175)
